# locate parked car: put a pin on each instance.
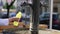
(12, 14)
(45, 19)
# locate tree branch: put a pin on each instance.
(11, 3)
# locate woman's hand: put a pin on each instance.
(13, 19)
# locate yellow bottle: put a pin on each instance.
(19, 15)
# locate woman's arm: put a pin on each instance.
(5, 22)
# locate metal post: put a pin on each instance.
(35, 16)
(51, 12)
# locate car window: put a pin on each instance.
(46, 16)
(55, 16)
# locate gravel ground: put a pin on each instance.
(1, 33)
(40, 32)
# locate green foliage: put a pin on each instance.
(5, 6)
(12, 7)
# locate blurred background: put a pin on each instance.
(25, 6)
